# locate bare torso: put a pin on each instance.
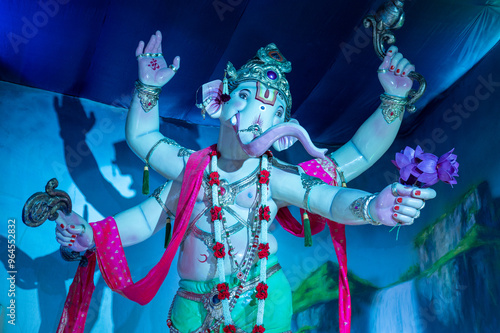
(239, 202)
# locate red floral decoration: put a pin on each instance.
(223, 289)
(263, 250)
(216, 213)
(261, 291)
(214, 153)
(258, 329)
(219, 250)
(214, 178)
(264, 177)
(225, 98)
(229, 329)
(264, 213)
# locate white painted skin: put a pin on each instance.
(243, 110)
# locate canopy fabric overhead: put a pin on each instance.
(86, 49)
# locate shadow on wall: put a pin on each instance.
(82, 166)
(39, 274)
(84, 170)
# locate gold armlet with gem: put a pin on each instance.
(392, 107)
(148, 95)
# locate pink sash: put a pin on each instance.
(114, 267)
(112, 261)
(326, 171)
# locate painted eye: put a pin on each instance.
(280, 111)
(243, 94)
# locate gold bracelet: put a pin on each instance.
(148, 95)
(359, 208)
(392, 107)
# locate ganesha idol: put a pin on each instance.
(221, 200)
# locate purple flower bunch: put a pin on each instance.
(425, 169)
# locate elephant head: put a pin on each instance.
(259, 106)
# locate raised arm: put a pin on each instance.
(143, 121)
(378, 132)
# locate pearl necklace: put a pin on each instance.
(259, 231)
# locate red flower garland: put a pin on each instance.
(223, 289)
(216, 213)
(264, 177)
(263, 250)
(214, 178)
(229, 329)
(261, 291)
(258, 329)
(264, 213)
(219, 250)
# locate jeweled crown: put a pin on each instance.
(268, 67)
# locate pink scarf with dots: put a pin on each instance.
(327, 172)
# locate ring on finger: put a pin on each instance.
(172, 67)
(394, 189)
(382, 70)
(83, 230)
(151, 55)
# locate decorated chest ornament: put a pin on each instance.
(258, 249)
(267, 68)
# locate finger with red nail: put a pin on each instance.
(387, 59)
(73, 231)
(399, 204)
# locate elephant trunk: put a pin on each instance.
(262, 143)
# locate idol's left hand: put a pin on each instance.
(393, 73)
(399, 204)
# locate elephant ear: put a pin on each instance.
(285, 142)
(211, 95)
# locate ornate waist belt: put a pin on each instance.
(212, 296)
(212, 303)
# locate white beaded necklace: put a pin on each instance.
(263, 216)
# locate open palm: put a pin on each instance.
(153, 69)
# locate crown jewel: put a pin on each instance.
(268, 67)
